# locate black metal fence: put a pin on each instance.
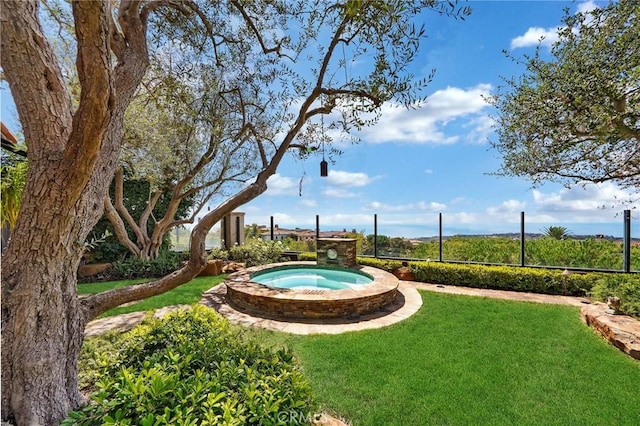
(626, 245)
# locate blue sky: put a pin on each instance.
(415, 164)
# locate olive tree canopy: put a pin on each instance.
(576, 118)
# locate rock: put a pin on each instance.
(92, 269)
(214, 267)
(622, 331)
(404, 273)
(233, 267)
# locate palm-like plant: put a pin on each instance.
(14, 177)
(556, 232)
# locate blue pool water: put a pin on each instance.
(312, 279)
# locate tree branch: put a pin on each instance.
(141, 234)
(119, 228)
(249, 21)
(144, 217)
(23, 42)
(92, 116)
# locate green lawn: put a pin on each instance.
(459, 361)
(186, 294)
(473, 361)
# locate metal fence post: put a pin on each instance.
(626, 242)
(271, 232)
(440, 237)
(522, 254)
(375, 235)
(317, 226)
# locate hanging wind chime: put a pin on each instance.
(324, 166)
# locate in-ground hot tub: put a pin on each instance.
(307, 290)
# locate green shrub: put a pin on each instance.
(253, 252)
(389, 265)
(504, 278)
(192, 368)
(493, 277)
(308, 256)
(624, 286)
(134, 267)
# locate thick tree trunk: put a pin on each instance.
(42, 332)
(72, 158)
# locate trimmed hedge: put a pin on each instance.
(189, 368)
(307, 255)
(504, 278)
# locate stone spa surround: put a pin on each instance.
(246, 295)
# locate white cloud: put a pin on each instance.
(509, 206)
(348, 179)
(338, 193)
(305, 202)
(481, 128)
(420, 206)
(547, 36)
(534, 35)
(428, 171)
(279, 185)
(345, 220)
(587, 6)
(426, 124)
(588, 202)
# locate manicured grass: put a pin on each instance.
(186, 294)
(473, 361)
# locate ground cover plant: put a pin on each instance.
(191, 367)
(186, 294)
(465, 360)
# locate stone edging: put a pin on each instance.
(621, 331)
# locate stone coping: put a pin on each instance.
(382, 281)
(406, 303)
(247, 295)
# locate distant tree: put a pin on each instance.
(252, 231)
(135, 196)
(556, 232)
(576, 118)
(401, 246)
(362, 244)
(383, 241)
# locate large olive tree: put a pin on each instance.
(576, 117)
(74, 146)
